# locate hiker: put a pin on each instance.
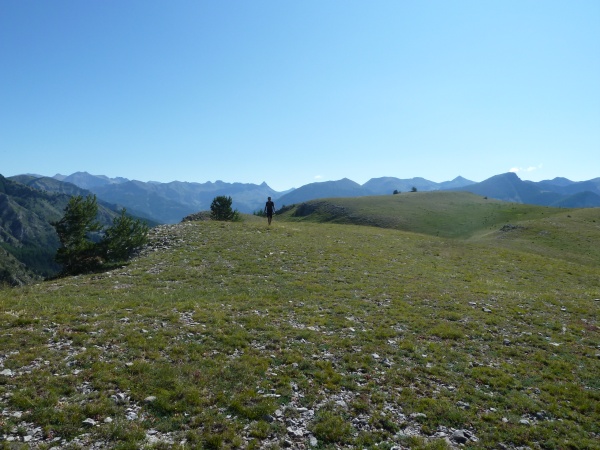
(269, 208)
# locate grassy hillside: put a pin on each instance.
(562, 233)
(317, 335)
(440, 213)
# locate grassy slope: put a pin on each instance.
(558, 232)
(235, 311)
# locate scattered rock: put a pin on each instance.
(295, 432)
(342, 404)
(511, 227)
(459, 437)
(89, 422)
(120, 398)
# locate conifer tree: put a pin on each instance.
(78, 252)
(220, 209)
(123, 238)
(83, 249)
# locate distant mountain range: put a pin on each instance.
(29, 203)
(559, 192)
(170, 202)
(375, 186)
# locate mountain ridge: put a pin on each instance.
(170, 202)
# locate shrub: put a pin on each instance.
(331, 428)
(220, 209)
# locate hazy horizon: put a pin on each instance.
(292, 187)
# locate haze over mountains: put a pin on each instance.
(170, 202)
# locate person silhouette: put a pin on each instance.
(269, 209)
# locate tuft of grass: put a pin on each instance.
(331, 428)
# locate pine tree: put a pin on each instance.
(123, 238)
(220, 209)
(82, 247)
(78, 252)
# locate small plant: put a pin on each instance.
(330, 427)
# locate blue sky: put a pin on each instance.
(292, 92)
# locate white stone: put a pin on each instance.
(89, 421)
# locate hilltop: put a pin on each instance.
(317, 334)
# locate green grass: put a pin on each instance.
(239, 321)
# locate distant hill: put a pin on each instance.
(325, 189)
(584, 199)
(559, 192)
(387, 185)
(87, 181)
(375, 186)
(562, 233)
(507, 187)
(439, 213)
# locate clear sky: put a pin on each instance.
(292, 92)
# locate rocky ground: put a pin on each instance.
(295, 418)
